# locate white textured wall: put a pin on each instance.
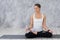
(16, 13)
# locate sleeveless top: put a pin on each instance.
(37, 24)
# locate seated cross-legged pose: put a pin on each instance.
(37, 24)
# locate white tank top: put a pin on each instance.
(37, 24)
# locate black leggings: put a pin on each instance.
(39, 34)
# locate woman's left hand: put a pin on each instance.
(50, 31)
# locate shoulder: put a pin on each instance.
(44, 15)
(32, 15)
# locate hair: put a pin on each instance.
(38, 5)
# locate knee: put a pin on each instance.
(27, 35)
(50, 34)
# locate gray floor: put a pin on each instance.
(22, 37)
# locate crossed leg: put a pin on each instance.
(39, 34)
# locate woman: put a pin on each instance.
(37, 24)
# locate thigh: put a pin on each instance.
(30, 35)
(44, 34)
(48, 34)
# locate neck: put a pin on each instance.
(38, 12)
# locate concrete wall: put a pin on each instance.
(16, 13)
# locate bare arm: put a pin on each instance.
(44, 23)
(30, 25)
(31, 22)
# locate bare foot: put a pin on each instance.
(34, 33)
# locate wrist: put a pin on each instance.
(28, 28)
(48, 30)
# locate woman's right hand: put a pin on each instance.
(27, 29)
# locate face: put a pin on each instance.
(36, 8)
